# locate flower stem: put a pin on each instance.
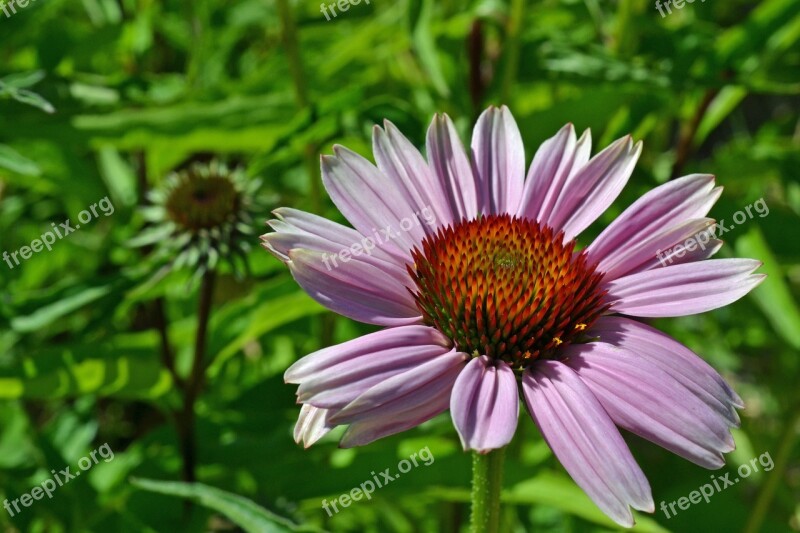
(187, 419)
(487, 482)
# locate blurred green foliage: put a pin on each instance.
(106, 97)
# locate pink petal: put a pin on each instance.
(355, 289)
(686, 289)
(333, 377)
(590, 191)
(636, 255)
(400, 402)
(374, 204)
(698, 250)
(450, 164)
(585, 440)
(674, 202)
(310, 425)
(405, 390)
(485, 404)
(643, 398)
(672, 357)
(297, 229)
(499, 161)
(394, 420)
(398, 159)
(558, 158)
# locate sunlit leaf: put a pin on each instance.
(243, 512)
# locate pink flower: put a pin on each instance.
(472, 269)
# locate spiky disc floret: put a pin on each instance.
(505, 287)
(197, 201)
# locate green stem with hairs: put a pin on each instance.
(487, 482)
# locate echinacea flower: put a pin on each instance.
(202, 215)
(473, 270)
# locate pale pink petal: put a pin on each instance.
(636, 255)
(686, 289)
(558, 158)
(403, 391)
(646, 400)
(585, 440)
(400, 402)
(499, 161)
(395, 420)
(355, 289)
(449, 162)
(310, 425)
(335, 376)
(374, 204)
(672, 357)
(697, 248)
(295, 229)
(591, 190)
(674, 202)
(485, 404)
(398, 159)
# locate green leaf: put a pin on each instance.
(21, 80)
(118, 175)
(425, 45)
(127, 368)
(549, 489)
(723, 105)
(246, 514)
(12, 160)
(764, 22)
(773, 296)
(557, 490)
(24, 96)
(50, 313)
(266, 317)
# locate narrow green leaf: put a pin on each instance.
(773, 296)
(723, 105)
(12, 160)
(266, 317)
(425, 44)
(21, 80)
(246, 514)
(118, 175)
(48, 314)
(24, 96)
(557, 490)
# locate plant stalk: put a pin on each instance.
(487, 483)
(194, 383)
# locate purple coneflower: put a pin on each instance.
(473, 270)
